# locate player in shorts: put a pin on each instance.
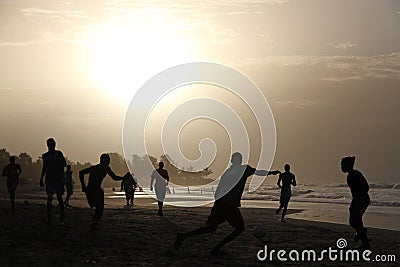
(93, 190)
(226, 205)
(288, 179)
(359, 191)
(69, 185)
(12, 172)
(53, 169)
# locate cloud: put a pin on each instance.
(222, 35)
(383, 73)
(32, 22)
(281, 61)
(301, 104)
(335, 68)
(53, 13)
(28, 42)
(37, 22)
(341, 79)
(343, 45)
(265, 38)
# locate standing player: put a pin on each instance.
(161, 177)
(68, 185)
(12, 171)
(93, 190)
(359, 191)
(129, 184)
(288, 179)
(226, 205)
(53, 169)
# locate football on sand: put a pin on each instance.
(259, 231)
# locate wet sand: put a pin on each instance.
(138, 237)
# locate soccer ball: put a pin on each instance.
(259, 231)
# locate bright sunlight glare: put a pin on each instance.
(123, 58)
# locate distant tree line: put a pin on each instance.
(31, 168)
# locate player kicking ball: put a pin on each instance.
(226, 205)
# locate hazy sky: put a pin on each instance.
(329, 69)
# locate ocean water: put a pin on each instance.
(387, 195)
(329, 203)
(325, 203)
(384, 195)
(376, 216)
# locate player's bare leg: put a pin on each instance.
(160, 208)
(67, 205)
(61, 202)
(12, 199)
(228, 239)
(284, 213)
(49, 208)
(200, 231)
(279, 209)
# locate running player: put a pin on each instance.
(288, 179)
(161, 178)
(227, 203)
(12, 172)
(53, 169)
(93, 190)
(359, 191)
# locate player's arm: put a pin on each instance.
(294, 181)
(279, 182)
(140, 188)
(265, 173)
(114, 176)
(42, 174)
(82, 178)
(261, 172)
(137, 185)
(122, 186)
(63, 161)
(19, 170)
(153, 177)
(167, 178)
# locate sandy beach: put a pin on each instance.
(137, 237)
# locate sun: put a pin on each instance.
(123, 58)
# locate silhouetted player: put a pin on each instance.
(359, 190)
(161, 177)
(12, 171)
(288, 179)
(129, 184)
(68, 185)
(53, 169)
(226, 205)
(93, 190)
